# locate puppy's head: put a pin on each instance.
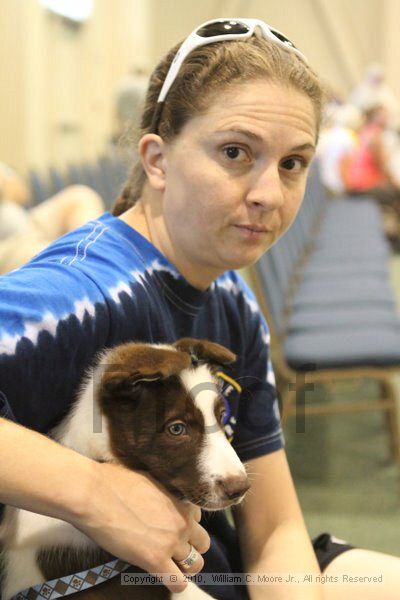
(166, 417)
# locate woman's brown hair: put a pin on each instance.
(205, 73)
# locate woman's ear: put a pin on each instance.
(152, 155)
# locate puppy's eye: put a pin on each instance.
(177, 429)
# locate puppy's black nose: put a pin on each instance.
(234, 486)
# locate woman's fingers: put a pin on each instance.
(199, 538)
(137, 520)
(191, 511)
(188, 559)
(194, 533)
(176, 580)
(196, 513)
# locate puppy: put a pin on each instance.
(152, 408)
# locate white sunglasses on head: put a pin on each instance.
(219, 30)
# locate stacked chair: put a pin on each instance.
(324, 289)
(105, 176)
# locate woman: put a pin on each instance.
(24, 232)
(224, 154)
(368, 167)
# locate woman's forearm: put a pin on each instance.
(40, 475)
(123, 511)
(289, 555)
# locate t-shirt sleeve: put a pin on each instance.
(53, 320)
(258, 430)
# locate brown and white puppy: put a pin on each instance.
(153, 408)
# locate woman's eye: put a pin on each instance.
(177, 429)
(294, 164)
(234, 153)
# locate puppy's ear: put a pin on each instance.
(122, 382)
(205, 351)
(132, 364)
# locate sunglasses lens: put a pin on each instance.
(283, 38)
(222, 28)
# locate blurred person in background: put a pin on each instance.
(25, 231)
(368, 169)
(14, 196)
(336, 144)
(391, 141)
(128, 106)
(373, 91)
(12, 187)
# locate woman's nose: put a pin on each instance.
(266, 190)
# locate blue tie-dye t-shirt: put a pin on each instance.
(105, 284)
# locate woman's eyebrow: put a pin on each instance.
(250, 134)
(242, 131)
(304, 147)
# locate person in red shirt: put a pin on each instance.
(368, 167)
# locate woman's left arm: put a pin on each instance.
(273, 537)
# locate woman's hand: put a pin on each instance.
(136, 519)
(126, 513)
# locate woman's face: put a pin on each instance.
(235, 178)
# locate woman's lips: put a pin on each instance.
(253, 232)
(254, 227)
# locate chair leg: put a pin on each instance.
(392, 418)
(288, 399)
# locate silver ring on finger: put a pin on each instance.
(190, 559)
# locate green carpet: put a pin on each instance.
(346, 482)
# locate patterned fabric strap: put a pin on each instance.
(71, 584)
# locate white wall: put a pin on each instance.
(58, 81)
(339, 37)
(12, 83)
(391, 42)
